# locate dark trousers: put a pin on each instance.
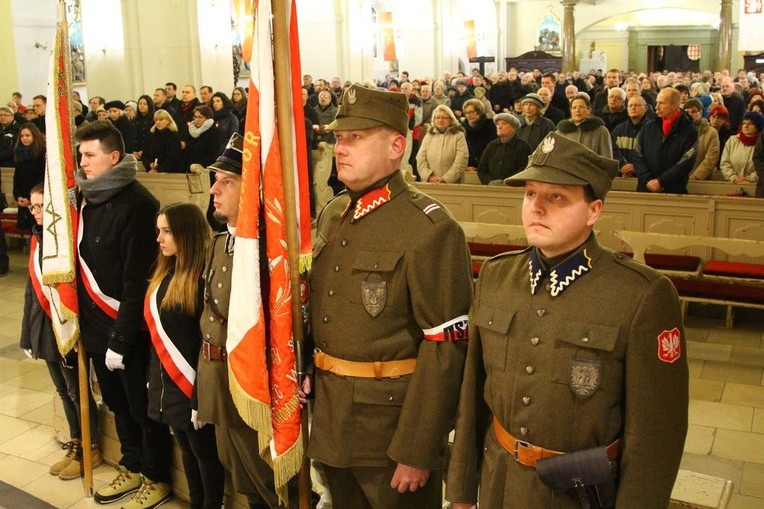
(369, 488)
(4, 261)
(65, 379)
(204, 472)
(146, 444)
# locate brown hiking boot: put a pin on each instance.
(71, 451)
(74, 469)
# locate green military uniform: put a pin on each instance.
(391, 280)
(569, 355)
(236, 441)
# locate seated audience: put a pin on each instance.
(587, 130)
(479, 130)
(505, 155)
(443, 154)
(737, 159)
(708, 142)
(162, 151)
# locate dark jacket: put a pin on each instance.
(227, 124)
(8, 137)
(202, 150)
(167, 402)
(612, 119)
(533, 133)
(128, 131)
(36, 328)
(478, 137)
(561, 102)
(554, 114)
(143, 125)
(670, 160)
(624, 139)
(163, 146)
(119, 247)
(28, 173)
(502, 160)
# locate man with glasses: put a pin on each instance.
(625, 135)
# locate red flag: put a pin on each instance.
(262, 369)
(60, 217)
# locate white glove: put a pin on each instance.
(195, 420)
(28, 351)
(114, 360)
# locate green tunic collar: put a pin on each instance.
(376, 197)
(562, 275)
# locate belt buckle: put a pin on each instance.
(518, 444)
(206, 350)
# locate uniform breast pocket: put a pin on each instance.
(493, 324)
(373, 279)
(376, 408)
(586, 359)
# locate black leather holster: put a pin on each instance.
(588, 475)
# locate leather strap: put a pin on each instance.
(212, 352)
(528, 454)
(377, 369)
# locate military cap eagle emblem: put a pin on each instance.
(547, 145)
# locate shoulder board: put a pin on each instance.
(508, 254)
(432, 208)
(646, 272)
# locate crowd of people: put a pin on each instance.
(379, 434)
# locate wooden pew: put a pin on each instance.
(718, 281)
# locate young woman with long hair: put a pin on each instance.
(29, 170)
(173, 306)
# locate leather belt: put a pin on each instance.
(528, 454)
(211, 352)
(377, 369)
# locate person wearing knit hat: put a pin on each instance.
(505, 155)
(718, 118)
(548, 322)
(392, 262)
(534, 98)
(736, 163)
(116, 112)
(131, 108)
(533, 125)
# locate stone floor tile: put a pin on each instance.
(695, 367)
(34, 444)
(19, 471)
(753, 480)
(739, 445)
(709, 465)
(720, 415)
(738, 336)
(11, 369)
(11, 427)
(37, 379)
(706, 390)
(698, 334)
(708, 351)
(743, 394)
(758, 420)
(23, 401)
(731, 372)
(699, 439)
(739, 501)
(747, 356)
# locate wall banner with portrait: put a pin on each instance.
(76, 44)
(548, 33)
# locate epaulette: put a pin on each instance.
(643, 270)
(433, 209)
(508, 254)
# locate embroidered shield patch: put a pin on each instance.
(584, 377)
(669, 345)
(374, 296)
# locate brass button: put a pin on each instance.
(524, 431)
(490, 322)
(541, 312)
(207, 336)
(212, 318)
(216, 301)
(331, 292)
(224, 268)
(535, 341)
(325, 319)
(97, 239)
(585, 340)
(336, 268)
(530, 370)
(376, 265)
(220, 285)
(344, 242)
(391, 399)
(526, 400)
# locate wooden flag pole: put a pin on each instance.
(286, 144)
(82, 360)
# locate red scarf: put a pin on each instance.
(668, 123)
(748, 141)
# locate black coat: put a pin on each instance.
(502, 160)
(478, 138)
(163, 146)
(28, 173)
(203, 150)
(670, 160)
(167, 402)
(8, 137)
(119, 247)
(127, 129)
(143, 125)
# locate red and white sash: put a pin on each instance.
(35, 276)
(180, 371)
(108, 305)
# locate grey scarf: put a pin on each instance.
(195, 132)
(102, 188)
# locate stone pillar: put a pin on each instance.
(569, 36)
(724, 44)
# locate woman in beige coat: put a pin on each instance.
(443, 155)
(708, 142)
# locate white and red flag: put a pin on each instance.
(261, 358)
(59, 261)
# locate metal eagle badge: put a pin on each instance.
(584, 376)
(374, 296)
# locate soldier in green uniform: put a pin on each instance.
(390, 292)
(236, 441)
(576, 371)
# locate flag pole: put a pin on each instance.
(286, 143)
(82, 360)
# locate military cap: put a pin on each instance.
(533, 98)
(363, 108)
(230, 160)
(508, 118)
(560, 160)
(114, 104)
